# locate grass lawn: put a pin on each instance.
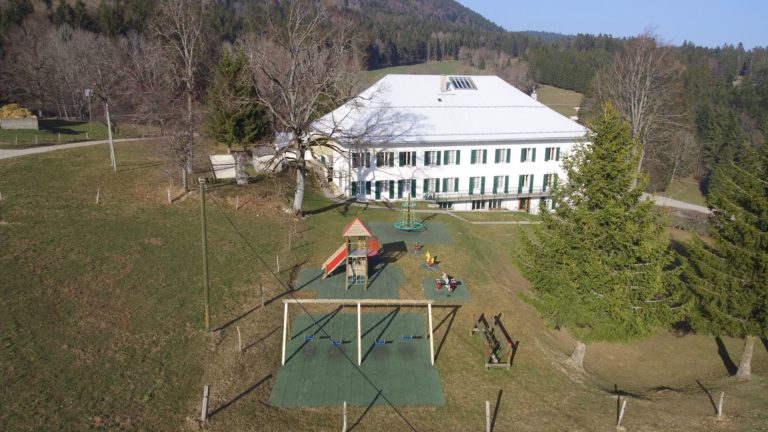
(498, 216)
(685, 189)
(560, 100)
(102, 317)
(54, 131)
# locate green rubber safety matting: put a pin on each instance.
(321, 361)
(460, 294)
(434, 233)
(383, 283)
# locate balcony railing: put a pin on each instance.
(525, 192)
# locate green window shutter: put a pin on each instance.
(485, 156)
(530, 184)
(400, 188)
(378, 190)
(544, 186)
(473, 157)
(522, 155)
(497, 156)
(413, 188)
(506, 184)
(509, 155)
(438, 156)
(445, 185)
(367, 160)
(367, 188)
(445, 156)
(426, 185)
(391, 189)
(456, 184)
(391, 159)
(533, 155)
(547, 152)
(520, 184)
(413, 158)
(482, 185)
(471, 185)
(458, 157)
(557, 155)
(354, 188)
(402, 158)
(496, 184)
(379, 159)
(426, 158)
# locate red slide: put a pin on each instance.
(335, 260)
(373, 246)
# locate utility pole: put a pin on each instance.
(88, 94)
(201, 180)
(111, 144)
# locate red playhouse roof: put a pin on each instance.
(357, 228)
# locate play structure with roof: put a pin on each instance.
(360, 244)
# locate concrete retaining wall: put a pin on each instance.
(21, 123)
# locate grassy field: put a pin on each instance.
(560, 100)
(685, 189)
(102, 322)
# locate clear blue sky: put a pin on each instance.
(704, 22)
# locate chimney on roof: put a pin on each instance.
(443, 83)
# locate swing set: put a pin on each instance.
(497, 354)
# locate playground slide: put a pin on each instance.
(335, 260)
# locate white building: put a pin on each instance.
(464, 142)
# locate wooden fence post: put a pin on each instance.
(621, 413)
(206, 395)
(344, 427)
(98, 191)
(239, 340)
(720, 405)
(487, 416)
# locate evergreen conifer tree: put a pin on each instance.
(598, 263)
(234, 118)
(728, 277)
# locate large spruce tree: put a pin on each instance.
(728, 277)
(234, 118)
(598, 262)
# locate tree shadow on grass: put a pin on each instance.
(452, 316)
(368, 408)
(709, 395)
(344, 205)
(240, 396)
(722, 351)
(61, 126)
(496, 409)
(764, 340)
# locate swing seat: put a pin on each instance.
(309, 337)
(380, 341)
(336, 342)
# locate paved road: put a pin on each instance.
(7, 154)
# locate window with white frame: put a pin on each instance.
(451, 157)
(407, 158)
(385, 159)
(502, 155)
(450, 184)
(479, 156)
(431, 185)
(361, 159)
(476, 185)
(528, 154)
(552, 153)
(432, 158)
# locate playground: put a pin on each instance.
(321, 361)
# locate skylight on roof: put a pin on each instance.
(462, 83)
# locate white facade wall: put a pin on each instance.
(507, 196)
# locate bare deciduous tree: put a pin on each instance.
(640, 82)
(302, 69)
(180, 27)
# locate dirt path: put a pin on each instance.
(7, 154)
(663, 201)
